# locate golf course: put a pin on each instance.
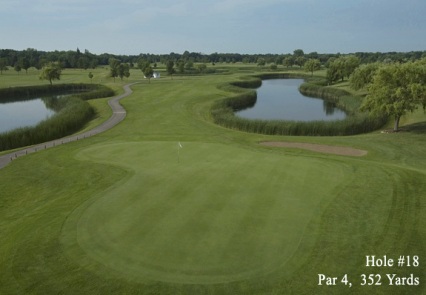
(168, 202)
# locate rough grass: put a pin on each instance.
(120, 213)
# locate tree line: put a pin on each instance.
(24, 59)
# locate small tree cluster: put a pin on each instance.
(312, 65)
(119, 69)
(341, 68)
(393, 89)
(146, 68)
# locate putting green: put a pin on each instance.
(218, 213)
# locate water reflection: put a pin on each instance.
(328, 107)
(280, 99)
(26, 112)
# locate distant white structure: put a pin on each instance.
(155, 75)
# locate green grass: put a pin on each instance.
(127, 212)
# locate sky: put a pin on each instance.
(131, 27)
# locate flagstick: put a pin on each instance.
(179, 147)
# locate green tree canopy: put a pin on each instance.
(288, 61)
(396, 89)
(90, 76)
(312, 65)
(3, 65)
(341, 68)
(298, 53)
(261, 61)
(363, 75)
(51, 71)
(170, 67)
(148, 71)
(181, 66)
(202, 67)
(114, 67)
(123, 70)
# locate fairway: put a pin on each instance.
(167, 202)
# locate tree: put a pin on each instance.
(146, 68)
(3, 65)
(114, 64)
(90, 76)
(143, 63)
(363, 76)
(181, 66)
(170, 68)
(312, 65)
(25, 64)
(341, 67)
(148, 71)
(52, 71)
(261, 62)
(300, 61)
(335, 70)
(123, 70)
(350, 63)
(298, 53)
(18, 68)
(202, 68)
(396, 89)
(288, 61)
(189, 65)
(113, 67)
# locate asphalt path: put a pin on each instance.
(118, 115)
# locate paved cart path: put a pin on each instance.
(118, 115)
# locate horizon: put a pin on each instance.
(203, 53)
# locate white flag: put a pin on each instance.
(180, 145)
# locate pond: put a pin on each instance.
(280, 99)
(24, 113)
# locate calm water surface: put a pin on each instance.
(23, 114)
(280, 99)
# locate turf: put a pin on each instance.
(130, 212)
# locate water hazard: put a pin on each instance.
(280, 99)
(24, 113)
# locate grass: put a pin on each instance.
(120, 213)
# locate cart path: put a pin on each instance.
(118, 115)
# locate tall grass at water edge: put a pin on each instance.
(73, 112)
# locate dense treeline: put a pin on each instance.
(73, 112)
(24, 59)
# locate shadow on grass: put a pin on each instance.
(417, 127)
